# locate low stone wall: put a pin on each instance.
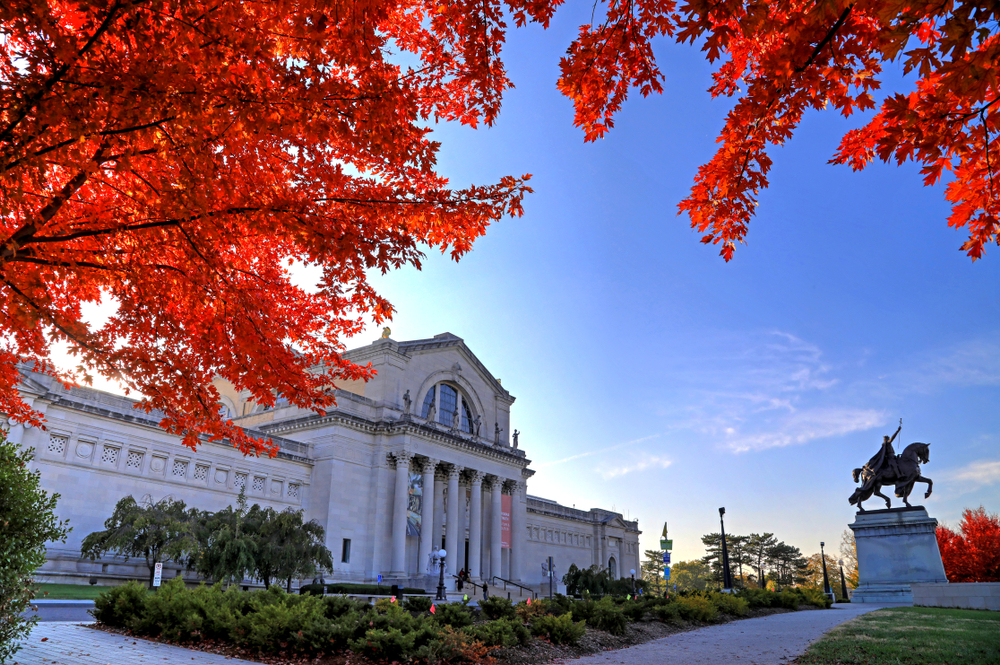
(968, 596)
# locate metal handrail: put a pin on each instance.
(469, 582)
(533, 593)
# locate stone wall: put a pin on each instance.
(969, 596)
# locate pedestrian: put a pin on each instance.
(461, 579)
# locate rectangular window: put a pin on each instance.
(345, 554)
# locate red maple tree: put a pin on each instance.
(972, 554)
(175, 156)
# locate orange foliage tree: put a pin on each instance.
(175, 156)
(972, 554)
(783, 57)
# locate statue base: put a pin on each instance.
(896, 548)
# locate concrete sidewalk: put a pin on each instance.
(770, 640)
(57, 643)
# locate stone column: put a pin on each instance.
(452, 533)
(517, 535)
(440, 480)
(400, 500)
(496, 531)
(476, 525)
(426, 514)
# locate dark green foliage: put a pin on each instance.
(369, 589)
(418, 604)
(456, 615)
(634, 609)
(558, 629)
(496, 607)
(311, 589)
(668, 613)
(120, 604)
(789, 600)
(287, 547)
(608, 617)
(27, 522)
(501, 632)
(757, 598)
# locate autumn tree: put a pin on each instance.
(814, 572)
(781, 59)
(849, 555)
(173, 158)
(972, 554)
(690, 575)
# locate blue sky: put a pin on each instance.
(654, 378)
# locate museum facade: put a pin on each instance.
(418, 458)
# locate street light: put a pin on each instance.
(826, 580)
(633, 581)
(440, 561)
(843, 582)
(727, 583)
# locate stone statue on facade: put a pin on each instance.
(515, 435)
(407, 401)
(431, 412)
(478, 424)
(496, 433)
(887, 468)
(456, 420)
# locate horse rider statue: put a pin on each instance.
(887, 468)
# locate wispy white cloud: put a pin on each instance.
(802, 427)
(590, 453)
(979, 473)
(651, 462)
(972, 363)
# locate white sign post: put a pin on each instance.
(157, 574)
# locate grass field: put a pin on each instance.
(911, 636)
(69, 591)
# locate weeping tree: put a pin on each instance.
(27, 522)
(287, 547)
(228, 543)
(157, 532)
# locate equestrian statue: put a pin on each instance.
(888, 468)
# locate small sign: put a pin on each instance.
(380, 579)
(666, 572)
(666, 544)
(157, 574)
(666, 557)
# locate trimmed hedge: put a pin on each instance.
(357, 589)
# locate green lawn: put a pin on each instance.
(69, 591)
(911, 636)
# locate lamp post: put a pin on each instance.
(826, 579)
(440, 558)
(633, 581)
(727, 583)
(843, 582)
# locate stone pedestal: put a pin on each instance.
(896, 548)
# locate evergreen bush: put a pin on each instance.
(497, 607)
(418, 604)
(456, 615)
(696, 608)
(558, 629)
(608, 617)
(119, 605)
(729, 604)
(503, 632)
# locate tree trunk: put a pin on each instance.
(288, 589)
(152, 568)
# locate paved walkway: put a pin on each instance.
(56, 643)
(770, 640)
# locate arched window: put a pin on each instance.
(613, 568)
(447, 399)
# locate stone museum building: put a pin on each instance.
(420, 457)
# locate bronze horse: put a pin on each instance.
(908, 464)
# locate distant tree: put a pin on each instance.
(739, 556)
(228, 543)
(158, 532)
(788, 565)
(690, 575)
(27, 522)
(814, 572)
(758, 547)
(286, 546)
(713, 556)
(849, 554)
(972, 554)
(652, 571)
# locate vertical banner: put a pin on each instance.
(505, 504)
(414, 504)
(157, 574)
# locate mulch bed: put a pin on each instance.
(537, 652)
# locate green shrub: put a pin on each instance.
(336, 606)
(418, 604)
(729, 604)
(634, 609)
(560, 604)
(370, 589)
(608, 617)
(789, 600)
(456, 615)
(813, 597)
(388, 644)
(526, 612)
(504, 632)
(558, 629)
(696, 608)
(583, 610)
(497, 607)
(452, 647)
(669, 613)
(119, 605)
(759, 598)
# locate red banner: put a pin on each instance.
(505, 521)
